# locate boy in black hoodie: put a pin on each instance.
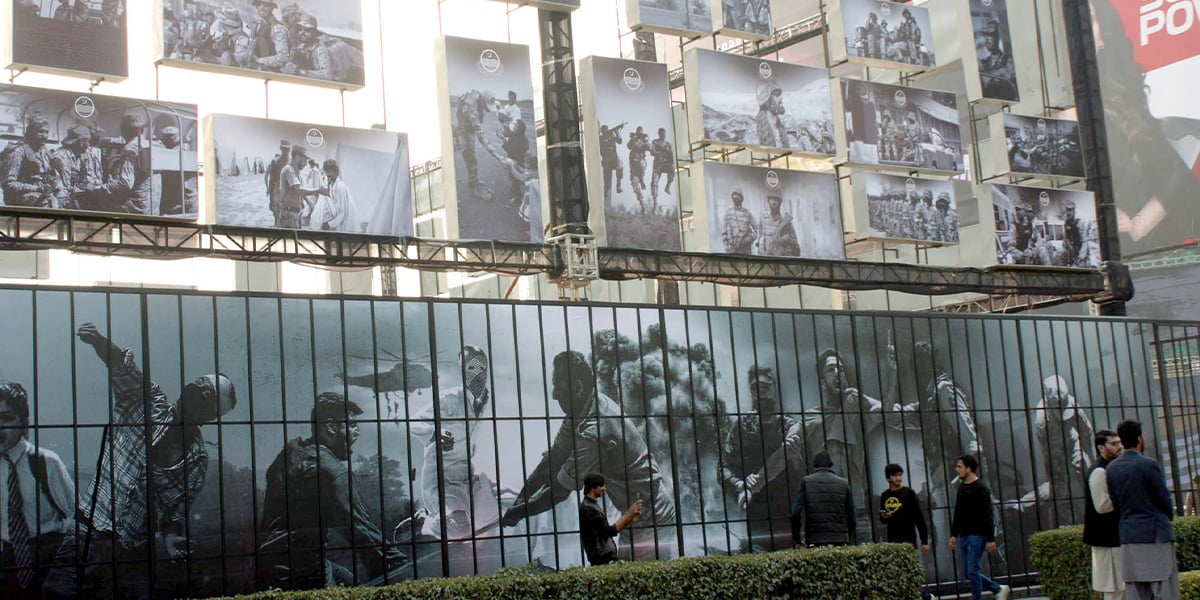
(901, 511)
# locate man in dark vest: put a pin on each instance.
(823, 511)
(1101, 522)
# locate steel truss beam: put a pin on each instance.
(159, 239)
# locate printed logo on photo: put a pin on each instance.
(885, 9)
(315, 138)
(85, 107)
(1044, 198)
(632, 79)
(772, 179)
(901, 98)
(987, 3)
(764, 70)
(910, 185)
(489, 60)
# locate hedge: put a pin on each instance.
(876, 571)
(1064, 562)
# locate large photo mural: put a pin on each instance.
(222, 444)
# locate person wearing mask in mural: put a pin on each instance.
(1140, 496)
(595, 533)
(1101, 523)
(593, 438)
(761, 458)
(37, 500)
(823, 512)
(972, 530)
(152, 465)
(458, 414)
(315, 530)
(1063, 431)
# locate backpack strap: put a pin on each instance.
(37, 464)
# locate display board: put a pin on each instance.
(1045, 227)
(629, 143)
(760, 104)
(905, 209)
(84, 38)
(905, 128)
(63, 150)
(425, 428)
(766, 212)
(562, 5)
(1146, 53)
(887, 35)
(746, 19)
(1041, 147)
(287, 175)
(687, 18)
(317, 43)
(992, 74)
(485, 96)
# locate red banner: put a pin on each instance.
(1163, 32)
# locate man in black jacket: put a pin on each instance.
(595, 534)
(973, 528)
(901, 511)
(1101, 521)
(826, 499)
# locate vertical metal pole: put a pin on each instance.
(564, 154)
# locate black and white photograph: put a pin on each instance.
(630, 149)
(890, 125)
(1043, 146)
(761, 104)
(488, 127)
(888, 32)
(690, 18)
(309, 41)
(994, 50)
(363, 442)
(910, 208)
(749, 19)
(71, 37)
(1045, 227)
(566, 5)
(64, 150)
(284, 175)
(772, 212)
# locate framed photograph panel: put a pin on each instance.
(905, 209)
(746, 19)
(881, 34)
(685, 18)
(904, 128)
(84, 38)
(1045, 227)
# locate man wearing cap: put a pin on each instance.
(273, 177)
(740, 229)
(777, 234)
(1072, 236)
(311, 57)
(910, 34)
(229, 45)
(152, 466)
(293, 194)
(946, 219)
(771, 131)
(272, 40)
(26, 171)
(77, 168)
(129, 186)
(762, 458)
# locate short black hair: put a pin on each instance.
(1129, 431)
(822, 460)
(574, 366)
(332, 406)
(18, 400)
(970, 462)
(1103, 435)
(592, 481)
(893, 469)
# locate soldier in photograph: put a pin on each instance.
(762, 457)
(910, 35)
(740, 230)
(315, 530)
(227, 43)
(273, 178)
(595, 437)
(128, 185)
(111, 12)
(769, 121)
(996, 66)
(272, 39)
(473, 106)
(610, 161)
(874, 36)
(1074, 231)
(638, 145)
(777, 233)
(177, 189)
(78, 168)
(945, 220)
(153, 463)
(295, 193)
(1064, 432)
(663, 152)
(26, 170)
(312, 58)
(887, 138)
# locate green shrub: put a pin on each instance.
(1189, 585)
(1063, 562)
(1187, 543)
(872, 572)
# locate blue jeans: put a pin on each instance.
(971, 549)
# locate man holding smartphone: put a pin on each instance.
(595, 533)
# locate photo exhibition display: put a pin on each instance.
(1045, 227)
(888, 35)
(85, 38)
(670, 17)
(900, 208)
(745, 19)
(902, 127)
(993, 73)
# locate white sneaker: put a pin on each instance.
(1004, 592)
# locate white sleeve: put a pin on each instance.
(1098, 483)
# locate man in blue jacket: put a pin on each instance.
(1140, 496)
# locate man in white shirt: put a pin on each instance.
(509, 113)
(38, 506)
(337, 210)
(1100, 522)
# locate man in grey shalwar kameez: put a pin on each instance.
(1140, 496)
